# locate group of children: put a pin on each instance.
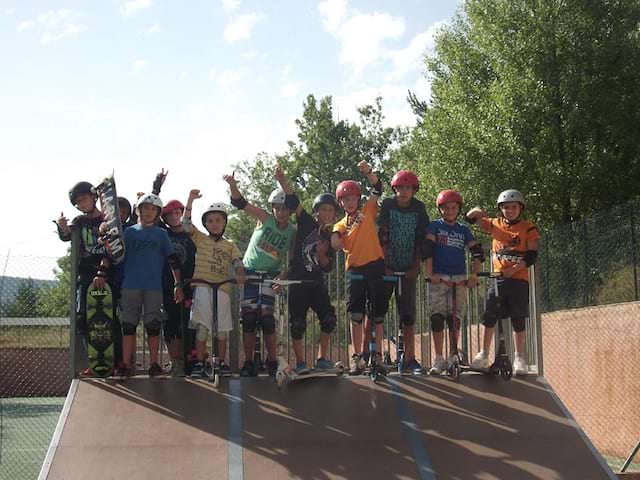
(169, 265)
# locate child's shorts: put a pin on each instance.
(202, 309)
(249, 302)
(441, 298)
(137, 303)
(513, 302)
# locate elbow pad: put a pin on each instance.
(426, 249)
(291, 201)
(530, 257)
(239, 203)
(477, 252)
(377, 188)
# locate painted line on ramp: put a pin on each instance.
(236, 468)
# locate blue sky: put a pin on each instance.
(191, 86)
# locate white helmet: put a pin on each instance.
(277, 197)
(215, 207)
(511, 196)
(151, 198)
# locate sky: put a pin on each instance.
(133, 86)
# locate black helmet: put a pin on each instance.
(79, 189)
(324, 199)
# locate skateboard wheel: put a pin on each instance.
(216, 380)
(280, 377)
(340, 367)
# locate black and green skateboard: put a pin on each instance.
(100, 313)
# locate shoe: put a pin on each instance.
(87, 373)
(480, 362)
(301, 367)
(382, 370)
(520, 366)
(355, 365)
(439, 364)
(323, 364)
(224, 368)
(412, 366)
(272, 368)
(197, 371)
(177, 368)
(451, 360)
(247, 369)
(119, 372)
(365, 357)
(155, 370)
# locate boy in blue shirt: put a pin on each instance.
(445, 265)
(147, 247)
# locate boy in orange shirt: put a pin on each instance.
(356, 234)
(514, 248)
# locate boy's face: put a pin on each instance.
(281, 212)
(404, 194)
(148, 213)
(173, 217)
(124, 213)
(450, 211)
(326, 214)
(86, 202)
(511, 210)
(349, 203)
(215, 223)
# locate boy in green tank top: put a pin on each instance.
(271, 240)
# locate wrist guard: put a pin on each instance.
(377, 188)
(477, 252)
(530, 257)
(291, 201)
(239, 203)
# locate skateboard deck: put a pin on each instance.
(100, 330)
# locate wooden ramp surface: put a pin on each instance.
(328, 428)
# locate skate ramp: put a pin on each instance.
(328, 428)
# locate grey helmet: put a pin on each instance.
(277, 197)
(215, 207)
(151, 198)
(511, 196)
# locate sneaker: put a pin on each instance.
(177, 368)
(480, 362)
(520, 366)
(323, 364)
(272, 368)
(301, 367)
(119, 372)
(451, 360)
(439, 365)
(365, 357)
(381, 368)
(224, 368)
(198, 370)
(155, 370)
(87, 373)
(355, 367)
(412, 366)
(247, 369)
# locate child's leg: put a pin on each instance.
(131, 302)
(152, 300)
(298, 302)
(379, 298)
(328, 321)
(356, 303)
(438, 303)
(225, 322)
(171, 327)
(407, 312)
(222, 345)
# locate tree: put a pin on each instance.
(24, 302)
(539, 96)
(53, 301)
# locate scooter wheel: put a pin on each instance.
(455, 371)
(280, 378)
(373, 374)
(505, 369)
(340, 367)
(400, 362)
(216, 380)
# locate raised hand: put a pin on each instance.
(364, 167)
(194, 194)
(279, 174)
(230, 179)
(62, 222)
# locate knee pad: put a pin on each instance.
(201, 333)
(408, 320)
(437, 322)
(153, 328)
(490, 318)
(378, 320)
(453, 323)
(519, 324)
(268, 324)
(328, 323)
(249, 321)
(129, 328)
(357, 317)
(298, 327)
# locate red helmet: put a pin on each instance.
(348, 188)
(405, 178)
(172, 205)
(446, 196)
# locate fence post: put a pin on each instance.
(633, 254)
(73, 289)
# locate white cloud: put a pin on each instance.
(230, 5)
(152, 30)
(25, 25)
(394, 104)
(360, 35)
(241, 26)
(228, 78)
(290, 89)
(130, 7)
(411, 58)
(138, 65)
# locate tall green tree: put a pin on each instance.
(54, 301)
(537, 95)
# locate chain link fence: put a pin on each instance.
(590, 292)
(34, 359)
